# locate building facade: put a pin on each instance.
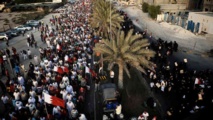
(208, 5)
(200, 22)
(157, 2)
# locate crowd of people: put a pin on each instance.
(191, 88)
(61, 70)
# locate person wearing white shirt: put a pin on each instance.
(21, 80)
(141, 117)
(68, 97)
(146, 115)
(16, 94)
(74, 113)
(112, 74)
(35, 83)
(40, 100)
(65, 79)
(56, 110)
(66, 58)
(32, 93)
(18, 105)
(69, 106)
(31, 107)
(31, 100)
(29, 53)
(55, 85)
(62, 85)
(82, 117)
(69, 89)
(5, 99)
(64, 94)
(118, 109)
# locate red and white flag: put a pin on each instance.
(53, 100)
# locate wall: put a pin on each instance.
(208, 5)
(173, 7)
(204, 20)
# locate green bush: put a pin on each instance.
(145, 7)
(153, 11)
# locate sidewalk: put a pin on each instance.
(191, 46)
(165, 31)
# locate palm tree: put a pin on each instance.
(126, 50)
(105, 19)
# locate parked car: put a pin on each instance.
(28, 27)
(23, 28)
(9, 34)
(3, 36)
(33, 23)
(14, 32)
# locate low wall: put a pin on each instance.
(173, 7)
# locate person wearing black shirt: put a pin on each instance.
(31, 66)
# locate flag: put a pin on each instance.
(93, 73)
(87, 70)
(53, 100)
(60, 70)
(66, 69)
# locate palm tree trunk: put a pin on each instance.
(120, 76)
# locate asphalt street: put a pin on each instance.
(195, 61)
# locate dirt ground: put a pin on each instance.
(8, 16)
(13, 19)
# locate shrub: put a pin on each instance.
(153, 11)
(145, 7)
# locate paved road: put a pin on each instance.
(20, 43)
(196, 61)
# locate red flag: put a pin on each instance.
(53, 100)
(66, 69)
(60, 70)
(93, 73)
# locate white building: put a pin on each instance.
(202, 22)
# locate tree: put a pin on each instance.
(104, 17)
(145, 7)
(153, 11)
(126, 50)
